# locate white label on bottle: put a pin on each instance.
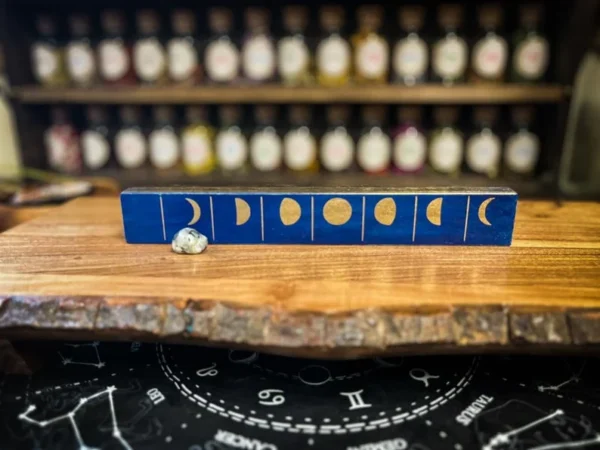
(293, 57)
(372, 57)
(164, 149)
(259, 58)
(45, 61)
(150, 61)
(130, 148)
(333, 56)
(183, 58)
(80, 61)
(411, 58)
(450, 57)
(56, 148)
(114, 59)
(446, 151)
(531, 57)
(337, 150)
(222, 60)
(265, 150)
(300, 149)
(489, 56)
(96, 150)
(232, 149)
(522, 152)
(196, 150)
(483, 152)
(410, 150)
(374, 150)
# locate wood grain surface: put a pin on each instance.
(70, 273)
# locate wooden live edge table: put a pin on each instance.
(69, 274)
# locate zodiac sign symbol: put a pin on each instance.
(424, 378)
(266, 394)
(209, 371)
(356, 401)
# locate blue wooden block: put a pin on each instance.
(430, 216)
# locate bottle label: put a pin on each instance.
(374, 151)
(164, 149)
(96, 151)
(259, 58)
(183, 59)
(333, 56)
(411, 58)
(483, 152)
(114, 60)
(222, 60)
(149, 59)
(372, 57)
(197, 151)
(81, 62)
(522, 152)
(450, 57)
(265, 150)
(45, 61)
(300, 149)
(489, 56)
(446, 151)
(337, 150)
(293, 57)
(232, 149)
(531, 57)
(63, 148)
(410, 150)
(130, 148)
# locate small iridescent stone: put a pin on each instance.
(189, 241)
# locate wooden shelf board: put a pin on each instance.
(70, 274)
(420, 94)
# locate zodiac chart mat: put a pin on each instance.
(148, 396)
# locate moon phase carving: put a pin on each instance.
(242, 211)
(196, 209)
(385, 211)
(434, 211)
(289, 211)
(337, 211)
(483, 210)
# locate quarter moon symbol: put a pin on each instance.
(197, 211)
(314, 375)
(289, 211)
(385, 211)
(242, 211)
(434, 211)
(483, 210)
(337, 211)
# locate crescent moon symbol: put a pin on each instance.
(434, 211)
(242, 211)
(197, 211)
(483, 211)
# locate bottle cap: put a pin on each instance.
(257, 19)
(265, 114)
(373, 114)
(369, 17)
(485, 115)
(331, 18)
(148, 22)
(410, 114)
(295, 18)
(183, 22)
(530, 15)
(446, 115)
(523, 115)
(229, 115)
(196, 114)
(59, 115)
(130, 114)
(79, 25)
(220, 20)
(299, 114)
(491, 16)
(450, 16)
(411, 18)
(96, 114)
(113, 22)
(338, 114)
(46, 25)
(163, 114)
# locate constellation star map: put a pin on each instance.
(153, 396)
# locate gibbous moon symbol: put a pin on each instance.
(483, 211)
(289, 211)
(434, 211)
(197, 211)
(337, 211)
(385, 211)
(242, 211)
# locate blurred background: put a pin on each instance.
(228, 93)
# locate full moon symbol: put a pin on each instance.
(483, 210)
(196, 209)
(434, 211)
(385, 211)
(337, 211)
(242, 211)
(289, 211)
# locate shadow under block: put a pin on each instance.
(430, 216)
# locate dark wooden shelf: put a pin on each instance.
(421, 94)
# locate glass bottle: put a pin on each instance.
(221, 56)
(374, 147)
(450, 52)
(484, 148)
(10, 156)
(62, 142)
(371, 50)
(81, 58)
(231, 143)
(337, 144)
(197, 142)
(266, 148)
(163, 141)
(299, 144)
(184, 50)
(411, 53)
(114, 51)
(446, 143)
(410, 143)
(333, 56)
(131, 147)
(96, 139)
(490, 53)
(149, 55)
(531, 48)
(48, 61)
(293, 54)
(258, 49)
(522, 148)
